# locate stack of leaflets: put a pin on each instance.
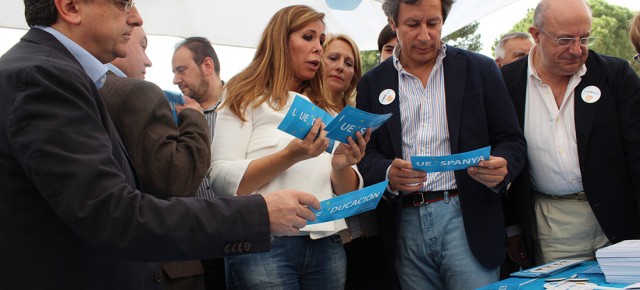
(620, 263)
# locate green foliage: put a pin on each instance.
(610, 25)
(369, 59)
(465, 38)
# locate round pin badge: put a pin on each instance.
(591, 94)
(387, 96)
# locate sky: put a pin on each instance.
(233, 59)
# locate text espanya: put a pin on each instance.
(468, 161)
(353, 203)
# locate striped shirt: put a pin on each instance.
(205, 190)
(423, 115)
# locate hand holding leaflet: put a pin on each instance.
(450, 162)
(174, 98)
(351, 120)
(350, 204)
(302, 113)
(300, 118)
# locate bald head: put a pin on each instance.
(557, 10)
(561, 29)
(135, 64)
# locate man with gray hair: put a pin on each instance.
(71, 214)
(512, 46)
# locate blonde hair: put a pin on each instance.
(349, 94)
(267, 77)
(634, 32)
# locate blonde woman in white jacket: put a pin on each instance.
(250, 155)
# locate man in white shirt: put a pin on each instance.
(579, 113)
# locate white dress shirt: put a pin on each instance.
(551, 136)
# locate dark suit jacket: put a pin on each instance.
(170, 159)
(478, 114)
(70, 214)
(608, 137)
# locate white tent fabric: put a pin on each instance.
(240, 22)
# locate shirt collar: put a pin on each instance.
(91, 65)
(396, 57)
(116, 70)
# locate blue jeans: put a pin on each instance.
(293, 263)
(433, 252)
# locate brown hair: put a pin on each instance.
(634, 32)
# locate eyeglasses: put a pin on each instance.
(568, 41)
(637, 57)
(125, 4)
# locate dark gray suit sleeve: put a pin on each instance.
(170, 160)
(59, 137)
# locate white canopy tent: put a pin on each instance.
(240, 22)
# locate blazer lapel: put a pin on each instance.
(389, 80)
(585, 113)
(454, 66)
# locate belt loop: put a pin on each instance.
(446, 196)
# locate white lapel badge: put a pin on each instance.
(591, 94)
(387, 96)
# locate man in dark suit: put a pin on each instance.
(170, 158)
(444, 100)
(70, 214)
(580, 114)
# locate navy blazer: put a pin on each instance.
(70, 214)
(479, 114)
(608, 137)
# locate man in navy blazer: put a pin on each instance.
(579, 189)
(71, 216)
(450, 228)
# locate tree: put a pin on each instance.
(465, 38)
(610, 25)
(369, 59)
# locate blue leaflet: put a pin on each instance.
(350, 204)
(352, 120)
(174, 98)
(450, 162)
(300, 117)
(302, 113)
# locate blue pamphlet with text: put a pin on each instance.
(299, 120)
(450, 162)
(300, 117)
(352, 120)
(350, 204)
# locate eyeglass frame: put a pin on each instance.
(127, 4)
(637, 57)
(589, 39)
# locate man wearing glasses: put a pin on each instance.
(71, 214)
(580, 112)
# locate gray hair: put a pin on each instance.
(499, 50)
(391, 8)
